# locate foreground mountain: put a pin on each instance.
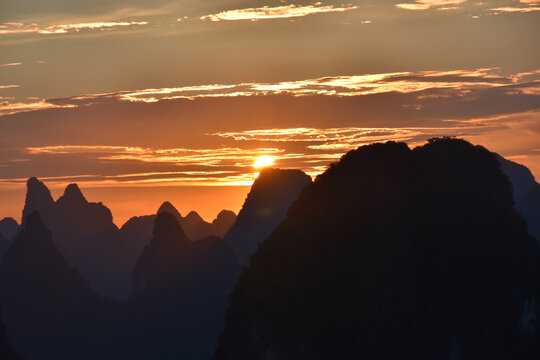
(49, 309)
(393, 253)
(180, 291)
(265, 207)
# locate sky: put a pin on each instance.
(143, 101)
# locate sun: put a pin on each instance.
(263, 161)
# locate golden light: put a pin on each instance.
(263, 161)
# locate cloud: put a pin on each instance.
(8, 86)
(7, 108)
(277, 12)
(19, 28)
(427, 4)
(213, 134)
(514, 9)
(11, 64)
(347, 85)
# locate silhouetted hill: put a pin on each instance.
(526, 193)
(179, 295)
(520, 176)
(530, 209)
(223, 222)
(393, 253)
(85, 234)
(138, 230)
(48, 307)
(38, 198)
(264, 208)
(9, 228)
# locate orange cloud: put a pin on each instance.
(19, 28)
(7, 108)
(351, 85)
(277, 12)
(513, 9)
(11, 64)
(427, 4)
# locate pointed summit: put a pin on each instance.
(193, 216)
(168, 228)
(265, 207)
(38, 198)
(160, 257)
(72, 195)
(169, 208)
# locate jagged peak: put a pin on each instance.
(167, 228)
(73, 194)
(193, 216)
(34, 186)
(169, 208)
(38, 197)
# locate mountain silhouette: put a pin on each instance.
(48, 307)
(530, 209)
(265, 207)
(9, 228)
(526, 193)
(85, 235)
(180, 291)
(393, 253)
(519, 175)
(138, 230)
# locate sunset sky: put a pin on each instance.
(145, 101)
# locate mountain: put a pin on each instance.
(520, 176)
(526, 193)
(6, 350)
(393, 253)
(180, 291)
(4, 245)
(9, 228)
(530, 209)
(49, 309)
(265, 207)
(223, 222)
(85, 235)
(138, 230)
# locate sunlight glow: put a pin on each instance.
(263, 161)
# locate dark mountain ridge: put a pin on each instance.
(265, 207)
(393, 253)
(49, 309)
(179, 293)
